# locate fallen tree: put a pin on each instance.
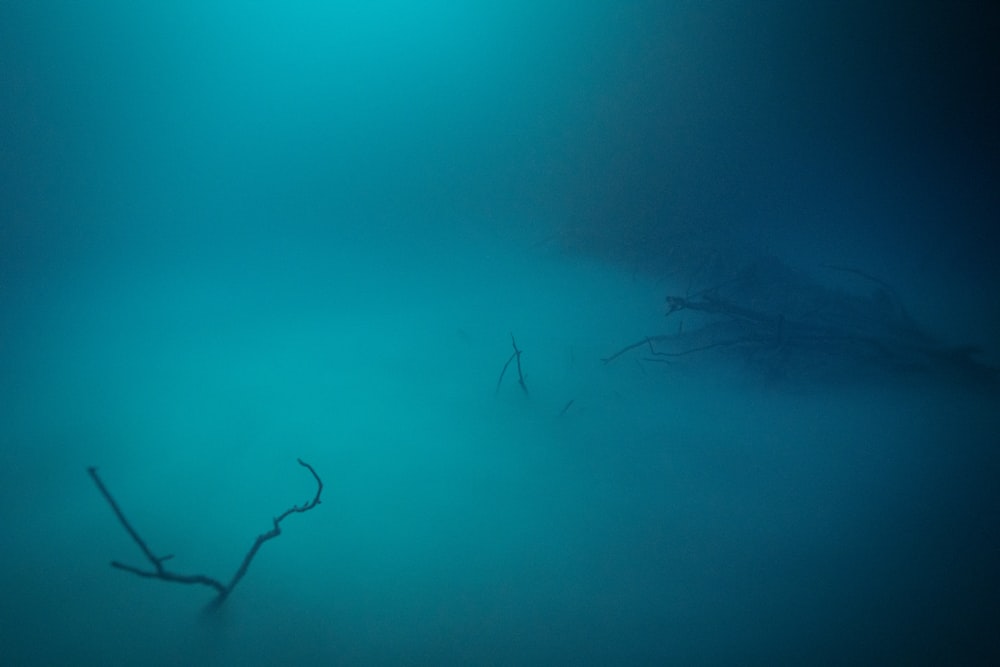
(159, 571)
(783, 323)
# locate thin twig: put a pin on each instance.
(639, 343)
(516, 354)
(500, 379)
(520, 375)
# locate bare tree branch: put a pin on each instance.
(162, 573)
(784, 323)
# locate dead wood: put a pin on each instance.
(785, 323)
(159, 571)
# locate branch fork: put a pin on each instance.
(159, 571)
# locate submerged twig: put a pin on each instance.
(520, 375)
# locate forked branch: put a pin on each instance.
(161, 572)
(520, 374)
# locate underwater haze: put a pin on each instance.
(619, 333)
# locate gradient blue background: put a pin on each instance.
(233, 234)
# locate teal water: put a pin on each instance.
(234, 235)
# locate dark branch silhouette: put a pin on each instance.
(786, 325)
(631, 346)
(520, 375)
(161, 572)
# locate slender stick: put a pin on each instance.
(275, 531)
(500, 379)
(155, 560)
(648, 340)
(520, 375)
